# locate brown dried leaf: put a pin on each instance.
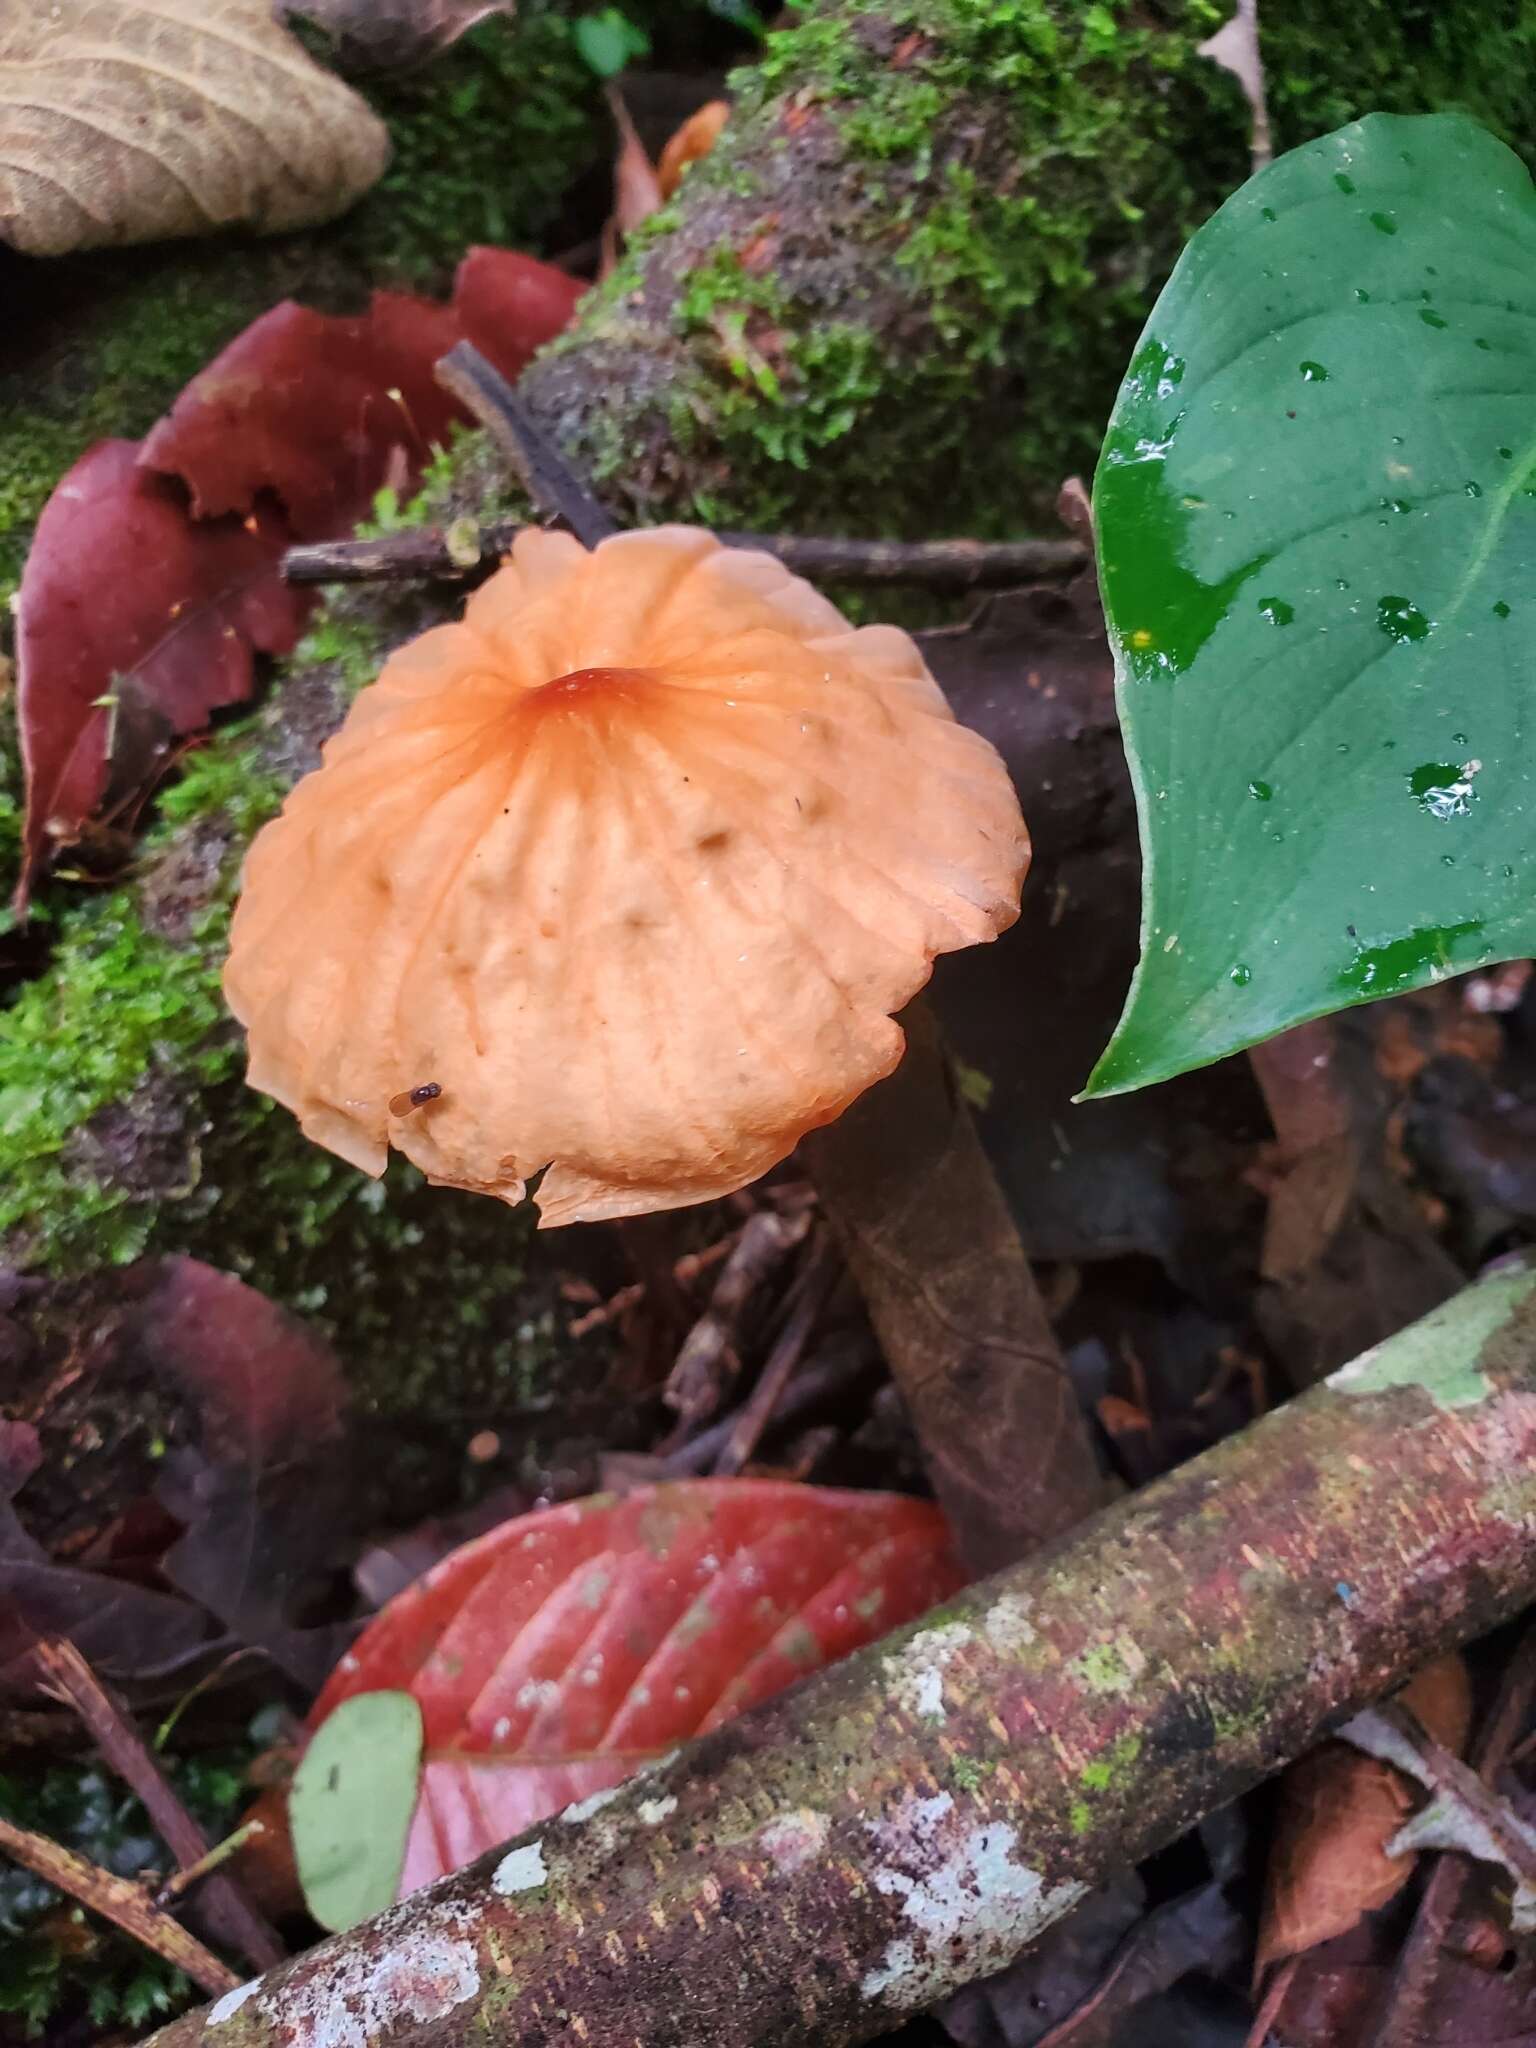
(125, 122)
(1338, 1811)
(393, 35)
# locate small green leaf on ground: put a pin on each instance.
(609, 40)
(350, 1806)
(1316, 510)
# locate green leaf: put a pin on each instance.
(350, 1806)
(608, 41)
(1316, 512)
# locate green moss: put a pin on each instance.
(1108, 1770)
(1026, 239)
(486, 141)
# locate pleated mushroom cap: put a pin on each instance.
(623, 876)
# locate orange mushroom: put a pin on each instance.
(622, 877)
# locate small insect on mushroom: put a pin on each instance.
(414, 1098)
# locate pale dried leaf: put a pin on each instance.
(393, 35)
(636, 189)
(127, 122)
(1235, 47)
(1331, 1863)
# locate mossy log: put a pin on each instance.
(896, 299)
(906, 1821)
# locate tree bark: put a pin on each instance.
(906, 1821)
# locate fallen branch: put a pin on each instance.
(949, 567)
(906, 1821)
(228, 1913)
(120, 1900)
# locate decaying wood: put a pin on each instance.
(907, 1820)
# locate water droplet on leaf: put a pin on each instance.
(1400, 620)
(1276, 610)
(1262, 791)
(1443, 789)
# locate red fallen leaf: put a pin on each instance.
(555, 1655)
(322, 411)
(127, 593)
(121, 588)
(509, 305)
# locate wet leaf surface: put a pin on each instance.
(1317, 535)
(123, 122)
(555, 1655)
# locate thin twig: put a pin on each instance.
(545, 474)
(229, 1913)
(708, 1357)
(183, 1880)
(947, 567)
(808, 1298)
(119, 1900)
(821, 1382)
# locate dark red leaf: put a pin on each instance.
(320, 411)
(268, 1387)
(250, 1499)
(261, 1495)
(290, 431)
(323, 411)
(120, 586)
(555, 1655)
(509, 305)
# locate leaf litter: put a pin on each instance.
(1398, 1163)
